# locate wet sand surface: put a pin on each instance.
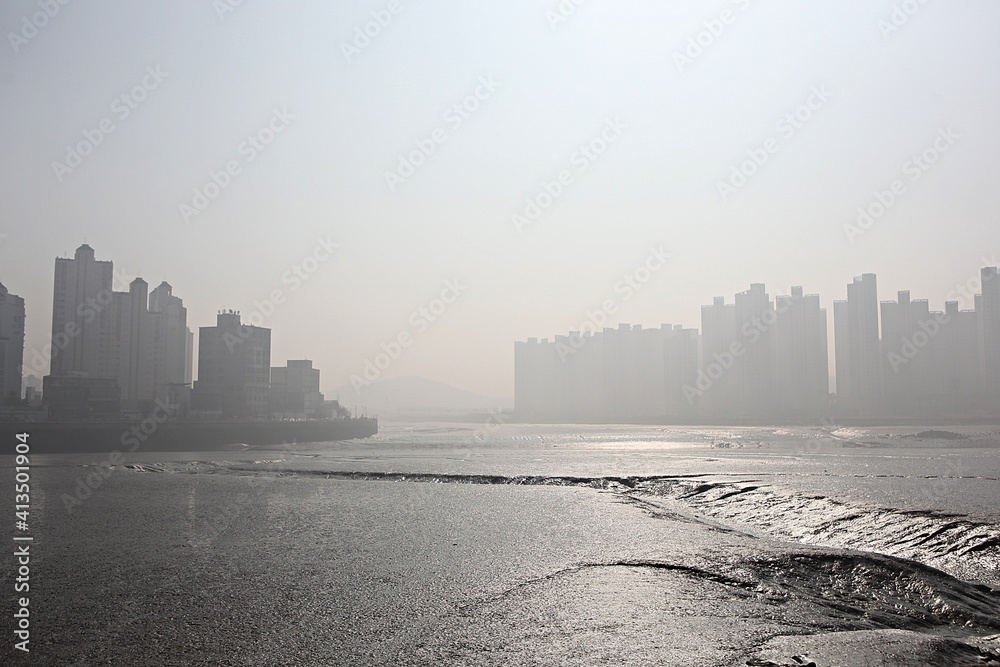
(266, 558)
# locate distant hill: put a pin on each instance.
(416, 396)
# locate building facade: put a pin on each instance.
(77, 396)
(295, 391)
(172, 343)
(234, 368)
(137, 338)
(622, 373)
(857, 348)
(133, 339)
(988, 308)
(11, 345)
(801, 356)
(82, 338)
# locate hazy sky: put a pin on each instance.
(198, 81)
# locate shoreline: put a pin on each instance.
(150, 435)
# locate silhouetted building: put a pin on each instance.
(717, 389)
(754, 369)
(908, 354)
(11, 345)
(620, 372)
(189, 358)
(801, 356)
(988, 307)
(681, 362)
(858, 348)
(137, 338)
(586, 375)
(33, 383)
(737, 365)
(931, 360)
(171, 343)
(624, 373)
(295, 391)
(763, 360)
(81, 323)
(234, 367)
(959, 379)
(77, 396)
(133, 338)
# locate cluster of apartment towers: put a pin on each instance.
(758, 359)
(115, 354)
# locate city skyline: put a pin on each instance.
(844, 376)
(131, 353)
(266, 309)
(760, 359)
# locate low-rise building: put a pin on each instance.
(234, 368)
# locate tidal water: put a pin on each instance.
(508, 544)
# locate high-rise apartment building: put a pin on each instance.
(737, 362)
(801, 357)
(958, 383)
(909, 352)
(11, 345)
(172, 341)
(858, 348)
(81, 322)
(718, 392)
(754, 369)
(134, 337)
(137, 338)
(622, 373)
(931, 360)
(988, 307)
(761, 360)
